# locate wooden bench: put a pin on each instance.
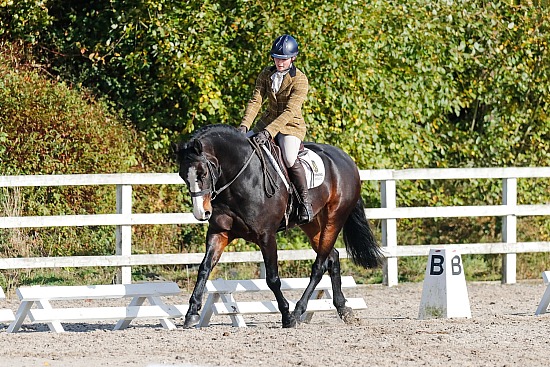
(545, 301)
(224, 290)
(139, 293)
(6, 315)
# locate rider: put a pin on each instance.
(285, 87)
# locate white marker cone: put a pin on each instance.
(444, 293)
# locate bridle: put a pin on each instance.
(215, 172)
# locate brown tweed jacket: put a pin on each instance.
(284, 109)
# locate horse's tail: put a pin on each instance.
(360, 243)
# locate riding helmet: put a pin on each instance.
(284, 47)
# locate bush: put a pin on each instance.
(402, 84)
(48, 128)
(52, 129)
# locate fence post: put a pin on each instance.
(124, 232)
(389, 232)
(262, 270)
(509, 233)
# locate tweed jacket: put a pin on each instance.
(284, 109)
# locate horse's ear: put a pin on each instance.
(175, 147)
(197, 146)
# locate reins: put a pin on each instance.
(268, 178)
(216, 192)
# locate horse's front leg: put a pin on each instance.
(215, 244)
(269, 252)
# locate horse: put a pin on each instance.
(227, 177)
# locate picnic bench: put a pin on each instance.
(40, 296)
(221, 300)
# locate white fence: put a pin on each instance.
(124, 219)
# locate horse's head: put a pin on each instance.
(200, 171)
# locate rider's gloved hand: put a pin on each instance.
(262, 137)
(242, 129)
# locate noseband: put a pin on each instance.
(212, 171)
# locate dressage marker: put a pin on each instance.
(444, 293)
(6, 315)
(224, 290)
(139, 293)
(545, 301)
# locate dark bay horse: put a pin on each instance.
(226, 179)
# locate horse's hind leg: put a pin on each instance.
(327, 259)
(322, 242)
(317, 270)
(322, 236)
(339, 301)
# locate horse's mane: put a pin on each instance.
(209, 130)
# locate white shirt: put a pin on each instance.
(277, 80)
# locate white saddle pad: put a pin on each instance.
(314, 167)
(312, 163)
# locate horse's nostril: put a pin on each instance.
(207, 214)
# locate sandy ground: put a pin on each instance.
(503, 331)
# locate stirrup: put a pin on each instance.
(305, 213)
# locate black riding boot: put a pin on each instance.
(298, 177)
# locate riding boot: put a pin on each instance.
(298, 177)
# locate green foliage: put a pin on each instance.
(24, 19)
(400, 84)
(170, 65)
(3, 141)
(397, 85)
(48, 128)
(51, 129)
(403, 84)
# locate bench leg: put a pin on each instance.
(165, 322)
(20, 316)
(308, 315)
(317, 294)
(123, 324)
(544, 302)
(236, 320)
(206, 313)
(54, 325)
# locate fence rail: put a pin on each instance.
(389, 213)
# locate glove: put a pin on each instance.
(242, 129)
(262, 137)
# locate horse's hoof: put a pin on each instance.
(290, 323)
(347, 315)
(191, 321)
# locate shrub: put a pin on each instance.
(49, 128)
(402, 84)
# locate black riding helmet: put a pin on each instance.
(284, 47)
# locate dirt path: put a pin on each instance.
(503, 331)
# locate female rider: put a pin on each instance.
(285, 87)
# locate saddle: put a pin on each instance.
(315, 173)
